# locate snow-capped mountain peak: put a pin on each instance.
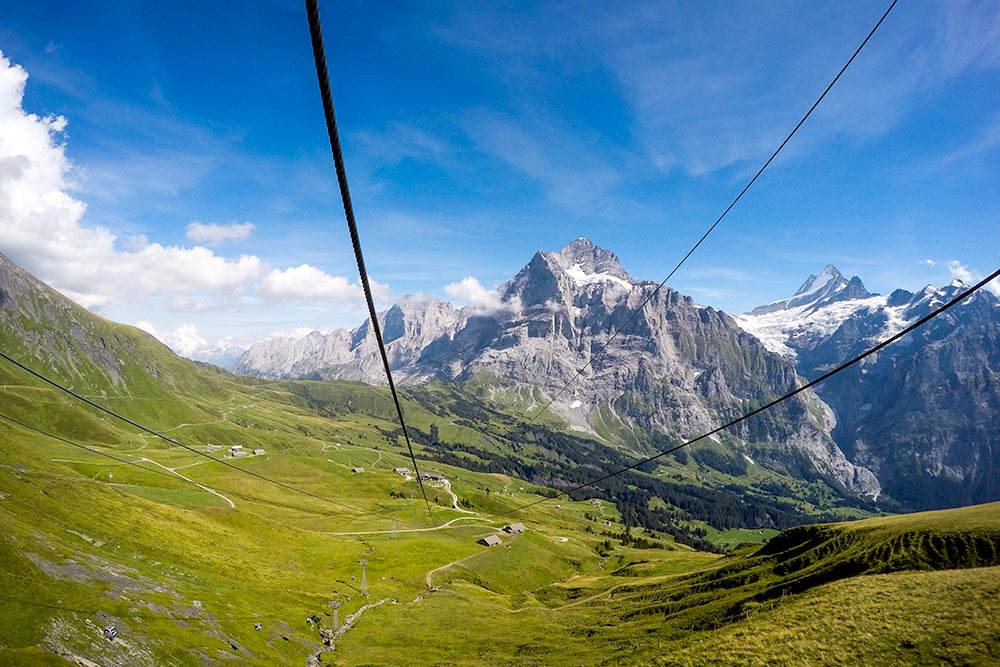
(896, 411)
(583, 278)
(829, 278)
(815, 311)
(827, 285)
(587, 263)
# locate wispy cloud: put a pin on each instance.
(986, 142)
(141, 175)
(708, 90)
(215, 234)
(572, 175)
(400, 141)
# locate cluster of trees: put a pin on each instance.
(566, 463)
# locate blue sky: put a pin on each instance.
(169, 163)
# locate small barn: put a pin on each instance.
(357, 469)
(401, 471)
(259, 452)
(237, 451)
(514, 528)
(490, 541)
(432, 476)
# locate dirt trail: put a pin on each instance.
(429, 577)
(413, 530)
(446, 485)
(188, 479)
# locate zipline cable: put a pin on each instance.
(169, 475)
(715, 224)
(323, 75)
(173, 441)
(92, 450)
(892, 339)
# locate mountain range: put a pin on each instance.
(193, 562)
(916, 422)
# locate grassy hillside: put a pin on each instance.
(184, 575)
(905, 618)
(915, 589)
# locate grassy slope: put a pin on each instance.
(903, 618)
(885, 591)
(132, 547)
(77, 542)
(88, 541)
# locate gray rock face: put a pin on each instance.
(675, 367)
(407, 328)
(924, 413)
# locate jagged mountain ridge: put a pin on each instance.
(407, 328)
(924, 413)
(679, 369)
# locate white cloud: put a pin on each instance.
(961, 272)
(147, 327)
(213, 234)
(43, 230)
(306, 282)
(928, 262)
(298, 332)
(470, 292)
(185, 340)
(968, 276)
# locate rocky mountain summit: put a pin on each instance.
(677, 369)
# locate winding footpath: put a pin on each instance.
(446, 485)
(443, 526)
(188, 479)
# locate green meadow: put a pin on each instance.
(185, 549)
